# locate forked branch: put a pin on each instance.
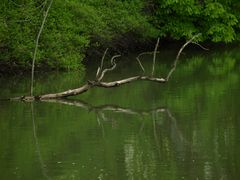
(114, 65)
(179, 53)
(102, 72)
(144, 53)
(99, 70)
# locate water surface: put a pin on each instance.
(185, 129)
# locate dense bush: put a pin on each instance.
(217, 20)
(70, 27)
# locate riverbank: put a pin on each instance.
(76, 31)
(124, 46)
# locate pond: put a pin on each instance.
(184, 129)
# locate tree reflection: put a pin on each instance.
(42, 164)
(193, 134)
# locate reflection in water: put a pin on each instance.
(101, 116)
(42, 164)
(185, 129)
(134, 161)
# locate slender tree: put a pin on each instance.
(36, 46)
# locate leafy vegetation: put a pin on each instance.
(74, 26)
(69, 29)
(216, 20)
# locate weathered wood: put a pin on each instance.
(102, 72)
(114, 65)
(70, 92)
(154, 56)
(36, 46)
(179, 53)
(86, 87)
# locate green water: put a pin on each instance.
(185, 129)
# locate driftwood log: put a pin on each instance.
(98, 82)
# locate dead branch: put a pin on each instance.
(141, 54)
(102, 72)
(114, 65)
(178, 55)
(140, 64)
(101, 66)
(201, 46)
(86, 87)
(154, 57)
(36, 46)
(67, 93)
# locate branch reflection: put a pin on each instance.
(102, 117)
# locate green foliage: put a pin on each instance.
(69, 29)
(74, 26)
(182, 19)
(222, 65)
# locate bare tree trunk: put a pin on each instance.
(36, 46)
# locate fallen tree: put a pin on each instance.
(98, 82)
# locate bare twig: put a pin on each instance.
(145, 53)
(201, 46)
(154, 56)
(140, 64)
(178, 55)
(114, 65)
(101, 66)
(139, 61)
(141, 54)
(36, 46)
